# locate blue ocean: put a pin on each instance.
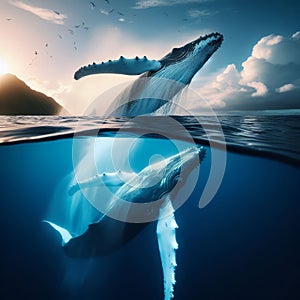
(244, 243)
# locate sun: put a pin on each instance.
(3, 68)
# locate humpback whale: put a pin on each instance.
(160, 80)
(158, 183)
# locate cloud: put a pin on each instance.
(104, 12)
(144, 4)
(43, 13)
(269, 79)
(286, 88)
(196, 13)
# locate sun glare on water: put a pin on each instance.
(3, 68)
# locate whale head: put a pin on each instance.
(174, 169)
(181, 64)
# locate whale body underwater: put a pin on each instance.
(160, 81)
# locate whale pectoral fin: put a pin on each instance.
(64, 233)
(114, 179)
(123, 65)
(166, 236)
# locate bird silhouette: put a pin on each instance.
(93, 5)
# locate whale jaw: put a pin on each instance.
(181, 64)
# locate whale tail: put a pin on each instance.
(64, 233)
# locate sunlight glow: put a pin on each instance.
(3, 68)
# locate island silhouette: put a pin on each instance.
(17, 98)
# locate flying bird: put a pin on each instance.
(77, 26)
(71, 31)
(60, 36)
(8, 19)
(121, 14)
(35, 52)
(55, 11)
(93, 5)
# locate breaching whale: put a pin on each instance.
(161, 79)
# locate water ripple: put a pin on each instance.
(274, 136)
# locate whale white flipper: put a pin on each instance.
(115, 179)
(65, 234)
(160, 80)
(166, 236)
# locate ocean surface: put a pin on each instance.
(244, 244)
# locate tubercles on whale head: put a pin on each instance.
(190, 58)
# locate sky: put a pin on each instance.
(257, 67)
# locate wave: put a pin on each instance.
(271, 135)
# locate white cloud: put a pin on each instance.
(286, 88)
(260, 88)
(196, 13)
(296, 35)
(43, 13)
(144, 4)
(104, 12)
(269, 79)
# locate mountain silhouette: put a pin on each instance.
(16, 98)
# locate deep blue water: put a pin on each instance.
(243, 245)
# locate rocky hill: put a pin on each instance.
(16, 98)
